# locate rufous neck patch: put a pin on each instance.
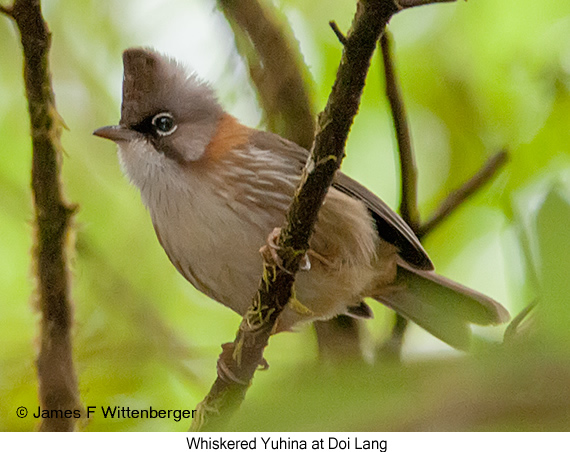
(229, 135)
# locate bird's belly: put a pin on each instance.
(216, 248)
(221, 260)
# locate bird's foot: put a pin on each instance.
(270, 254)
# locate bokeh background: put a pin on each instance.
(477, 77)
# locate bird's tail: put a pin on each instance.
(441, 306)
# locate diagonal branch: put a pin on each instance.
(277, 70)
(58, 388)
(239, 360)
(459, 196)
(408, 176)
(408, 169)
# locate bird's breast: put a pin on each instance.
(212, 232)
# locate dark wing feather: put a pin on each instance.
(389, 224)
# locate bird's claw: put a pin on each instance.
(269, 252)
(305, 263)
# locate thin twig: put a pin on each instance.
(339, 34)
(456, 198)
(408, 174)
(408, 170)
(275, 66)
(238, 361)
(58, 388)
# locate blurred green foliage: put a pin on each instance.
(476, 77)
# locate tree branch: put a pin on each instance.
(268, 61)
(276, 68)
(58, 388)
(408, 176)
(408, 169)
(339, 34)
(459, 196)
(239, 360)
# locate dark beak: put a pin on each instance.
(116, 133)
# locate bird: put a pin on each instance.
(215, 190)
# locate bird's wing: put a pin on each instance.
(389, 224)
(391, 227)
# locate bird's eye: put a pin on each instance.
(164, 124)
